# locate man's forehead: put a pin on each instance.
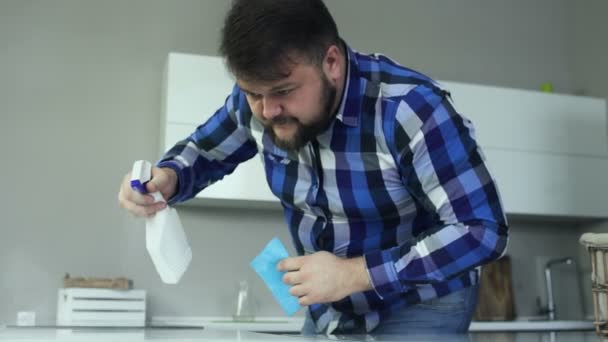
(291, 69)
(264, 86)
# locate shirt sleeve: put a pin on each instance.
(214, 150)
(444, 169)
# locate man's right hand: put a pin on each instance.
(163, 180)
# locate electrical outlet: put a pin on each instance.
(26, 318)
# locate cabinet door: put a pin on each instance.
(195, 87)
(524, 120)
(548, 152)
(556, 185)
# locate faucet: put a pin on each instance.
(548, 283)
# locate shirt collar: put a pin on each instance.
(350, 104)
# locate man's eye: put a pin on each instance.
(283, 92)
(253, 95)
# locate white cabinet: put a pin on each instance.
(533, 121)
(550, 184)
(548, 152)
(195, 87)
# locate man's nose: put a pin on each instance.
(270, 108)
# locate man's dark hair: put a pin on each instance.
(261, 38)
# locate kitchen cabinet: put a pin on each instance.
(194, 88)
(548, 152)
(532, 121)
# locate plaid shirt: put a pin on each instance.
(397, 178)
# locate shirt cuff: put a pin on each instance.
(382, 273)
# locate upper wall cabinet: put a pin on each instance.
(548, 152)
(195, 87)
(533, 121)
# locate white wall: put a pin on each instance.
(587, 46)
(589, 52)
(80, 100)
(514, 43)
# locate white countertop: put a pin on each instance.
(531, 326)
(265, 324)
(209, 334)
(294, 324)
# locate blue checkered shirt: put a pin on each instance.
(397, 178)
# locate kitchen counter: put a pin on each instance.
(32, 334)
(294, 324)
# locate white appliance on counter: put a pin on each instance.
(101, 307)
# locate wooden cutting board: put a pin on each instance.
(496, 301)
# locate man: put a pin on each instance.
(385, 191)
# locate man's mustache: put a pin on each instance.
(282, 120)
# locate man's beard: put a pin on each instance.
(306, 132)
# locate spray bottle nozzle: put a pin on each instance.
(140, 175)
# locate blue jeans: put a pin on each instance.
(449, 314)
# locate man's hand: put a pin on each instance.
(163, 180)
(323, 277)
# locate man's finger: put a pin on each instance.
(305, 301)
(134, 209)
(298, 291)
(142, 211)
(290, 264)
(141, 199)
(129, 194)
(292, 278)
(151, 210)
(151, 187)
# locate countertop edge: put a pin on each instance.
(294, 324)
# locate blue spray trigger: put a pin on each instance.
(137, 185)
(141, 174)
(265, 265)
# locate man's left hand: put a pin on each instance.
(323, 277)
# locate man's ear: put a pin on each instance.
(332, 63)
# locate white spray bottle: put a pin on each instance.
(166, 240)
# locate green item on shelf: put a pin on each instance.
(546, 87)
